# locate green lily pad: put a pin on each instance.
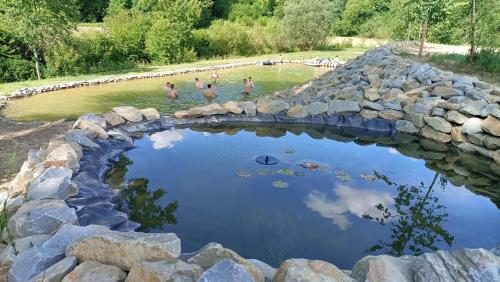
(285, 171)
(289, 151)
(342, 175)
(243, 174)
(280, 184)
(264, 172)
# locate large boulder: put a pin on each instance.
(164, 271)
(41, 217)
(233, 107)
(446, 92)
(390, 114)
(53, 183)
(316, 108)
(207, 110)
(455, 116)
(434, 135)
(297, 111)
(92, 118)
(406, 127)
(266, 269)
(438, 123)
(474, 108)
(30, 169)
(57, 271)
(270, 106)
(94, 129)
(249, 108)
(384, 268)
(297, 270)
(343, 106)
(491, 125)
(113, 119)
(133, 247)
(212, 253)
(95, 271)
(415, 118)
(472, 126)
(371, 94)
(64, 155)
(150, 114)
(226, 271)
(129, 113)
(82, 138)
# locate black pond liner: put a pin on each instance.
(266, 160)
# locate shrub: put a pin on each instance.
(229, 38)
(166, 42)
(16, 69)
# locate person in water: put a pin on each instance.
(167, 88)
(173, 92)
(281, 59)
(250, 82)
(210, 93)
(214, 77)
(198, 83)
(246, 87)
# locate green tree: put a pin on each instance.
(167, 41)
(306, 23)
(40, 23)
(92, 10)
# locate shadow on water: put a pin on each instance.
(416, 220)
(138, 201)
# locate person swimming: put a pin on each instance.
(214, 77)
(210, 93)
(250, 82)
(246, 87)
(198, 83)
(173, 92)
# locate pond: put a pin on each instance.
(332, 196)
(144, 93)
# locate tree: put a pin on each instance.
(40, 23)
(472, 30)
(306, 23)
(93, 10)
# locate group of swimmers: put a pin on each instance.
(210, 93)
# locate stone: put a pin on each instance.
(434, 135)
(491, 125)
(449, 106)
(415, 118)
(95, 271)
(182, 114)
(419, 108)
(474, 108)
(266, 269)
(226, 270)
(249, 108)
(393, 106)
(438, 112)
(212, 253)
(122, 136)
(53, 183)
(207, 110)
(496, 113)
(7, 258)
(457, 135)
(384, 268)
(392, 95)
(269, 106)
(492, 142)
(368, 114)
(406, 127)
(371, 94)
(390, 114)
(438, 123)
(496, 156)
(418, 92)
(81, 137)
(446, 92)
(57, 271)
(150, 114)
(297, 270)
(94, 129)
(297, 111)
(129, 113)
(342, 106)
(41, 217)
(316, 108)
(472, 126)
(133, 247)
(476, 138)
(233, 107)
(164, 271)
(92, 118)
(410, 84)
(488, 109)
(372, 106)
(455, 116)
(461, 265)
(64, 155)
(113, 119)
(28, 172)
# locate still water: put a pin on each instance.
(145, 93)
(332, 196)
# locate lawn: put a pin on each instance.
(344, 54)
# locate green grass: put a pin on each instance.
(485, 62)
(344, 54)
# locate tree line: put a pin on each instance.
(40, 38)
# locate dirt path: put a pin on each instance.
(16, 138)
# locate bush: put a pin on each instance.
(229, 38)
(16, 69)
(166, 42)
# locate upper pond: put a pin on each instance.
(332, 196)
(144, 93)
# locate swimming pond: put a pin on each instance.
(145, 93)
(332, 196)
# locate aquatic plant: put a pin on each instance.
(280, 184)
(342, 175)
(243, 174)
(285, 171)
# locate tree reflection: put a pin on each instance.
(416, 222)
(138, 201)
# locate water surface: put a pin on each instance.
(144, 93)
(363, 198)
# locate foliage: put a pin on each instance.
(92, 10)
(487, 60)
(15, 59)
(306, 23)
(167, 41)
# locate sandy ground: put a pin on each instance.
(16, 138)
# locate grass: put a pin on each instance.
(344, 54)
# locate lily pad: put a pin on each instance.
(368, 177)
(285, 171)
(243, 174)
(264, 172)
(289, 151)
(280, 184)
(342, 175)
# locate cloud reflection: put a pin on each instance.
(165, 139)
(350, 200)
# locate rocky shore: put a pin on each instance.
(62, 224)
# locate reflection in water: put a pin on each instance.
(165, 139)
(355, 201)
(416, 222)
(139, 202)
